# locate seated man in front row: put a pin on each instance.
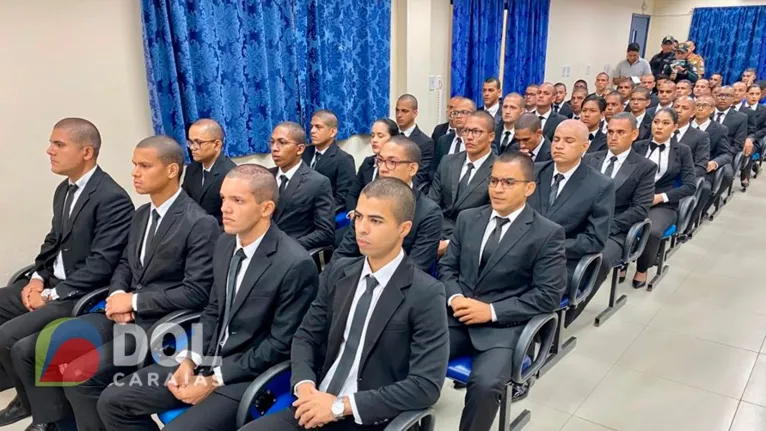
(374, 344)
(530, 139)
(306, 209)
(167, 266)
(264, 282)
(505, 264)
(400, 158)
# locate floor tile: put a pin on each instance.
(755, 392)
(749, 417)
(569, 383)
(609, 341)
(577, 424)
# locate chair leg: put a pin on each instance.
(614, 304)
(504, 422)
(662, 269)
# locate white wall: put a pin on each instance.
(586, 35)
(674, 17)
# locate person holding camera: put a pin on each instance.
(681, 68)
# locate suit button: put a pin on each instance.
(66, 249)
(138, 287)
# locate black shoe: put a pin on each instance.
(623, 276)
(519, 392)
(457, 385)
(14, 412)
(638, 284)
(41, 427)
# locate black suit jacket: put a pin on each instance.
(645, 128)
(543, 154)
(306, 210)
(405, 349)
(758, 120)
(680, 166)
(584, 207)
(209, 195)
(498, 141)
(566, 110)
(598, 143)
(736, 122)
(526, 275)
(338, 166)
(699, 143)
(277, 289)
(426, 145)
(498, 115)
(653, 101)
(720, 151)
(550, 125)
(420, 244)
(633, 189)
(92, 242)
(363, 177)
(441, 149)
(443, 189)
(178, 268)
(439, 131)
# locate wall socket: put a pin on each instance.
(587, 70)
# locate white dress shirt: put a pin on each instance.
(605, 127)
(408, 132)
(511, 133)
(640, 119)
(58, 264)
(492, 110)
(383, 276)
(661, 162)
(452, 149)
(682, 131)
(702, 126)
(725, 114)
(476, 165)
(289, 174)
(617, 163)
(316, 151)
(545, 116)
(536, 150)
(567, 175)
(740, 105)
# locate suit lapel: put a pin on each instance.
(625, 171)
(259, 263)
(215, 172)
(479, 177)
(473, 248)
(327, 156)
(140, 232)
(570, 188)
(221, 273)
(455, 175)
(83, 199)
(544, 185)
(292, 186)
(345, 288)
(58, 207)
(171, 217)
(515, 232)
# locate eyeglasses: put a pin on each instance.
(637, 99)
(197, 143)
(463, 113)
(505, 183)
(280, 143)
(704, 106)
(473, 132)
(390, 164)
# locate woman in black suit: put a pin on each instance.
(382, 130)
(674, 180)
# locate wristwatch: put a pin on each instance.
(337, 408)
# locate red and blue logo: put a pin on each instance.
(66, 353)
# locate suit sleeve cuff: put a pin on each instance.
(492, 310)
(295, 388)
(665, 197)
(449, 301)
(218, 376)
(354, 410)
(36, 276)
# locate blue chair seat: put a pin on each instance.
(669, 232)
(168, 416)
(341, 220)
(756, 157)
(99, 307)
(564, 302)
(459, 369)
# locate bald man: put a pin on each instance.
(574, 194)
(210, 165)
(453, 143)
(448, 126)
(543, 111)
(505, 133)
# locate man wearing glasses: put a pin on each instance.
(400, 158)
(720, 151)
(205, 174)
(505, 264)
(639, 101)
(453, 143)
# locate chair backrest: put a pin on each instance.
(685, 211)
(542, 329)
(584, 278)
(636, 240)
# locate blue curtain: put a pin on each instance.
(477, 32)
(730, 39)
(248, 64)
(526, 39)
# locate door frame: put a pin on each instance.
(648, 22)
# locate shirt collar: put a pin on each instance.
(165, 206)
(682, 130)
(539, 144)
(384, 274)
(511, 217)
(83, 181)
(493, 109)
(666, 143)
(512, 129)
(726, 112)
(565, 174)
(704, 125)
(640, 118)
(620, 157)
(211, 165)
(546, 115)
(289, 174)
(250, 249)
(477, 164)
(408, 132)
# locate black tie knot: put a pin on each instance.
(372, 283)
(591, 136)
(240, 254)
(500, 221)
(155, 216)
(558, 178)
(507, 133)
(542, 118)
(469, 166)
(71, 188)
(613, 159)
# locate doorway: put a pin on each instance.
(639, 29)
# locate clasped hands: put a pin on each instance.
(470, 311)
(31, 295)
(313, 408)
(119, 308)
(190, 388)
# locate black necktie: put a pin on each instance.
(317, 156)
(282, 184)
(576, 117)
(458, 144)
(464, 181)
(492, 242)
(676, 134)
(235, 264)
(354, 337)
(506, 140)
(555, 109)
(610, 167)
(70, 191)
(152, 231)
(719, 118)
(205, 175)
(554, 189)
(541, 118)
(532, 155)
(591, 136)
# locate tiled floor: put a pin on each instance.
(691, 355)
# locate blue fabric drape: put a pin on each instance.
(477, 32)
(526, 40)
(248, 64)
(730, 39)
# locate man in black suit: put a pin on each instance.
(204, 175)
(264, 282)
(166, 266)
(701, 88)
(491, 92)
(735, 121)
(625, 88)
(757, 133)
(91, 218)
(530, 139)
(602, 84)
(461, 181)
(453, 143)
(447, 127)
(639, 101)
(697, 141)
(559, 105)
(614, 105)
(399, 158)
(505, 264)
(649, 82)
(720, 153)
(505, 133)
(573, 194)
(593, 117)
(578, 97)
(406, 113)
(684, 87)
(633, 177)
(325, 156)
(404, 342)
(543, 111)
(305, 208)
(667, 94)
(530, 97)
(740, 97)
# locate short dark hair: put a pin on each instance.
(614, 94)
(393, 128)
(493, 80)
(685, 81)
(262, 183)
(751, 70)
(762, 84)
(489, 121)
(634, 47)
(409, 98)
(662, 76)
(168, 150)
(328, 117)
(411, 149)
(84, 133)
(670, 111)
(580, 90)
(560, 84)
(295, 131)
(525, 163)
(643, 90)
(629, 81)
(529, 122)
(581, 81)
(399, 194)
(599, 101)
(630, 118)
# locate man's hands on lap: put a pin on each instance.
(313, 409)
(34, 286)
(470, 311)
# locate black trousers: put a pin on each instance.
(748, 169)
(17, 323)
(490, 372)
(662, 216)
(707, 187)
(129, 403)
(611, 254)
(285, 421)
